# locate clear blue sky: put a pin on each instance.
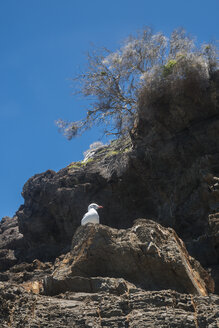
(43, 43)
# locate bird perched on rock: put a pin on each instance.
(91, 216)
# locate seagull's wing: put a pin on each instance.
(90, 217)
(84, 219)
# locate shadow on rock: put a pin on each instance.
(147, 255)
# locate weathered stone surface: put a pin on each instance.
(78, 284)
(11, 243)
(10, 237)
(55, 202)
(148, 255)
(168, 172)
(134, 309)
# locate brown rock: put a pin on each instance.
(134, 309)
(147, 255)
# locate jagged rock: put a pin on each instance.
(10, 237)
(147, 255)
(55, 202)
(168, 172)
(7, 259)
(134, 309)
(11, 243)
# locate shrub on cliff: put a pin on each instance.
(145, 64)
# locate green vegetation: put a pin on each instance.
(112, 153)
(168, 68)
(116, 152)
(77, 165)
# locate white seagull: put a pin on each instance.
(91, 216)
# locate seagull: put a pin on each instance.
(91, 216)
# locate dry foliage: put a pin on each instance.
(147, 66)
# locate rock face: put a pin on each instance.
(176, 140)
(91, 292)
(11, 243)
(114, 274)
(168, 171)
(56, 202)
(147, 255)
(134, 309)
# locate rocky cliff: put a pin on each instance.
(137, 277)
(121, 273)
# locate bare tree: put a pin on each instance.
(113, 80)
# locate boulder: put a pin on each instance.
(147, 255)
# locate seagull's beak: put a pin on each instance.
(100, 206)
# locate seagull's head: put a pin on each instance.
(94, 206)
